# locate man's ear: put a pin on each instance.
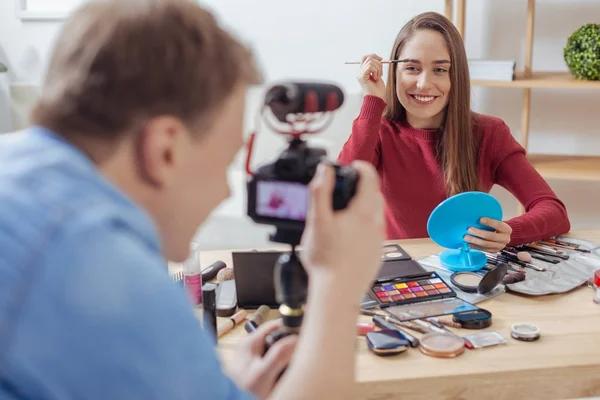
(158, 149)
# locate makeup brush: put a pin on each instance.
(497, 260)
(231, 322)
(555, 245)
(257, 318)
(523, 258)
(536, 248)
(383, 324)
(395, 321)
(514, 262)
(540, 257)
(383, 62)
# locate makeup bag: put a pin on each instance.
(564, 276)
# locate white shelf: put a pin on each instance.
(36, 16)
(25, 12)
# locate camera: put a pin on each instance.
(278, 191)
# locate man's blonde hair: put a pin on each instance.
(118, 63)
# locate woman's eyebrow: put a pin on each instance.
(415, 61)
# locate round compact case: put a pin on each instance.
(442, 345)
(479, 281)
(525, 332)
(476, 319)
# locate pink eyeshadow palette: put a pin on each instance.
(411, 290)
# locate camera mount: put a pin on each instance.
(296, 109)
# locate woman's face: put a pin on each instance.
(423, 79)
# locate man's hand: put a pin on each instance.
(345, 244)
(258, 372)
(490, 241)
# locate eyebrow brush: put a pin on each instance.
(383, 62)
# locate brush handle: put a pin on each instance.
(383, 62)
(212, 270)
(383, 324)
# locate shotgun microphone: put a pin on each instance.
(301, 98)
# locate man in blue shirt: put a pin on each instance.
(140, 115)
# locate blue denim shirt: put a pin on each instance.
(87, 309)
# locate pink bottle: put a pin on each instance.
(192, 273)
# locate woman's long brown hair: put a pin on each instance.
(457, 144)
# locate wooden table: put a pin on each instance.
(563, 364)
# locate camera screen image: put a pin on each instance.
(284, 200)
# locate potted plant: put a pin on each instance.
(582, 52)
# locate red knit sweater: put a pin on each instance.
(412, 179)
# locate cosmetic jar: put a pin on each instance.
(442, 345)
(476, 319)
(525, 332)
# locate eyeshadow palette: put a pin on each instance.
(411, 290)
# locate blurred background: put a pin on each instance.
(311, 40)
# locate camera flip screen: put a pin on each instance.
(283, 200)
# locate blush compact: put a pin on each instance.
(441, 345)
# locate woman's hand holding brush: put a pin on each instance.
(370, 76)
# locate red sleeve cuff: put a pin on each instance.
(372, 108)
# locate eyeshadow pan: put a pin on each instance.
(406, 291)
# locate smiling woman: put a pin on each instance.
(427, 144)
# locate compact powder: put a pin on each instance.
(442, 345)
(468, 279)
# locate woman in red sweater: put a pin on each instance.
(427, 144)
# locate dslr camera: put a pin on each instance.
(278, 191)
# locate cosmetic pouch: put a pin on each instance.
(564, 276)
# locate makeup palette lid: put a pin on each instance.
(449, 223)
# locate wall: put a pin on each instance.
(313, 38)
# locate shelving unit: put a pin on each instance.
(563, 167)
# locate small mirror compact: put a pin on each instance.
(449, 222)
(482, 282)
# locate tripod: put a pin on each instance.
(291, 284)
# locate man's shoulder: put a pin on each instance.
(55, 207)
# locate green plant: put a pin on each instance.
(582, 52)
(3, 68)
